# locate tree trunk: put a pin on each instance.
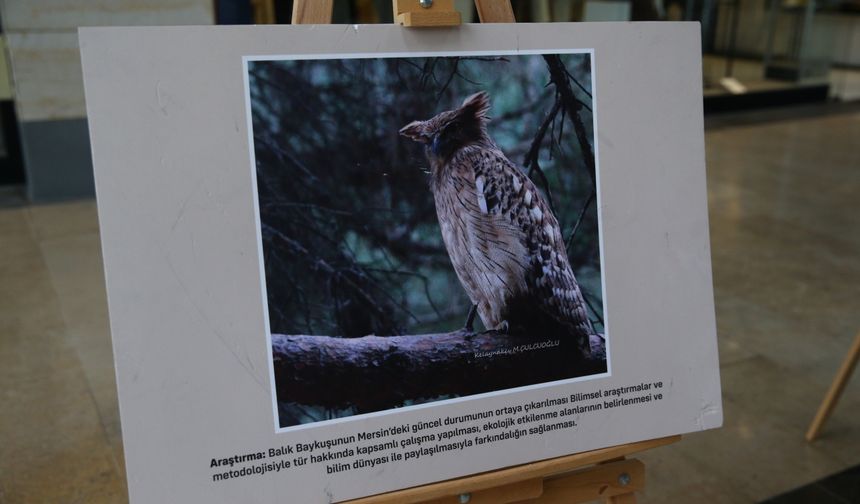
(372, 373)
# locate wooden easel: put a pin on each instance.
(836, 388)
(582, 477)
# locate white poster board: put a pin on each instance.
(266, 203)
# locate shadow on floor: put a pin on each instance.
(841, 488)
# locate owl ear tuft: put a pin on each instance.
(478, 105)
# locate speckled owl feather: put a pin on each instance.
(504, 242)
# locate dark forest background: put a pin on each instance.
(351, 241)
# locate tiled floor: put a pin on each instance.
(785, 228)
(59, 422)
(841, 488)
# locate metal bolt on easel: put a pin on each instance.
(427, 4)
(464, 497)
(624, 479)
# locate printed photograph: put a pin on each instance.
(429, 227)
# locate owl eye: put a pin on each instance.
(434, 144)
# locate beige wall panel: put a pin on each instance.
(47, 74)
(24, 15)
(834, 37)
(752, 32)
(845, 31)
(6, 91)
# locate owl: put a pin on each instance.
(504, 242)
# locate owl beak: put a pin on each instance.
(415, 131)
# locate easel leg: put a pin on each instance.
(835, 391)
(629, 498)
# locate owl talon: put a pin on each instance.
(504, 327)
(470, 319)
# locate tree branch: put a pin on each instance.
(374, 372)
(318, 264)
(531, 158)
(559, 77)
(579, 220)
